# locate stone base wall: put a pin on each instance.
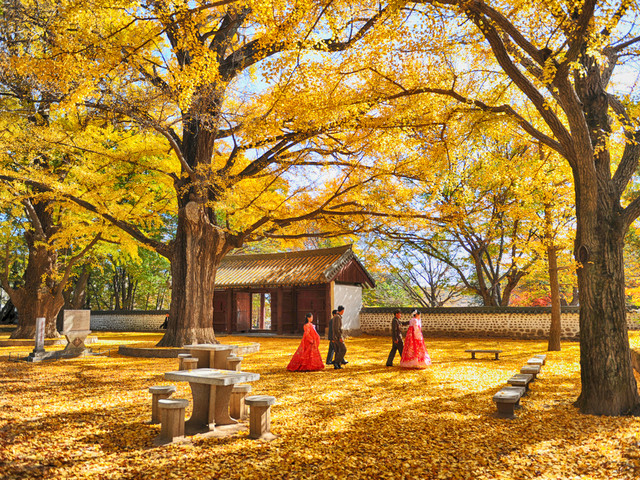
(127, 321)
(522, 323)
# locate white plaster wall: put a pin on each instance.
(350, 297)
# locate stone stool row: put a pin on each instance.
(508, 399)
(187, 362)
(237, 405)
(170, 413)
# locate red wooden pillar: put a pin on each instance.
(294, 309)
(229, 311)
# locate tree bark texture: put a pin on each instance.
(198, 250)
(37, 297)
(555, 329)
(608, 384)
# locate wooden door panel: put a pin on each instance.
(243, 303)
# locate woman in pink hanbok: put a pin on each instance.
(307, 357)
(414, 354)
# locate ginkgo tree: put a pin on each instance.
(479, 184)
(40, 147)
(56, 234)
(557, 70)
(563, 73)
(239, 93)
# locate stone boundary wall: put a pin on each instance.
(127, 320)
(509, 322)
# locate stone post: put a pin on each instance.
(40, 323)
(39, 352)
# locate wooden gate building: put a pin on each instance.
(273, 292)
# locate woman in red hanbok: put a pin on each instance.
(307, 357)
(414, 354)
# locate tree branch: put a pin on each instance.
(505, 109)
(631, 154)
(72, 261)
(132, 230)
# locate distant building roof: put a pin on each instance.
(307, 267)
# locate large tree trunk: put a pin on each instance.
(78, 297)
(43, 305)
(555, 329)
(608, 384)
(37, 298)
(75, 295)
(198, 249)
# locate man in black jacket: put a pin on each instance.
(329, 335)
(336, 338)
(396, 336)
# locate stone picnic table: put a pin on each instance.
(211, 355)
(211, 390)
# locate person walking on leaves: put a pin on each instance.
(396, 337)
(415, 355)
(336, 338)
(307, 357)
(330, 352)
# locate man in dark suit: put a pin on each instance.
(329, 336)
(396, 336)
(336, 338)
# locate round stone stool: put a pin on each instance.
(159, 393)
(238, 408)
(172, 420)
(260, 416)
(181, 357)
(189, 363)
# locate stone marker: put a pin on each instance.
(76, 327)
(39, 352)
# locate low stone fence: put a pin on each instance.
(127, 320)
(507, 322)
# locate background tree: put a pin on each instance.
(57, 234)
(43, 146)
(483, 215)
(121, 281)
(556, 62)
(410, 277)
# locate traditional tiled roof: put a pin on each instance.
(307, 267)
